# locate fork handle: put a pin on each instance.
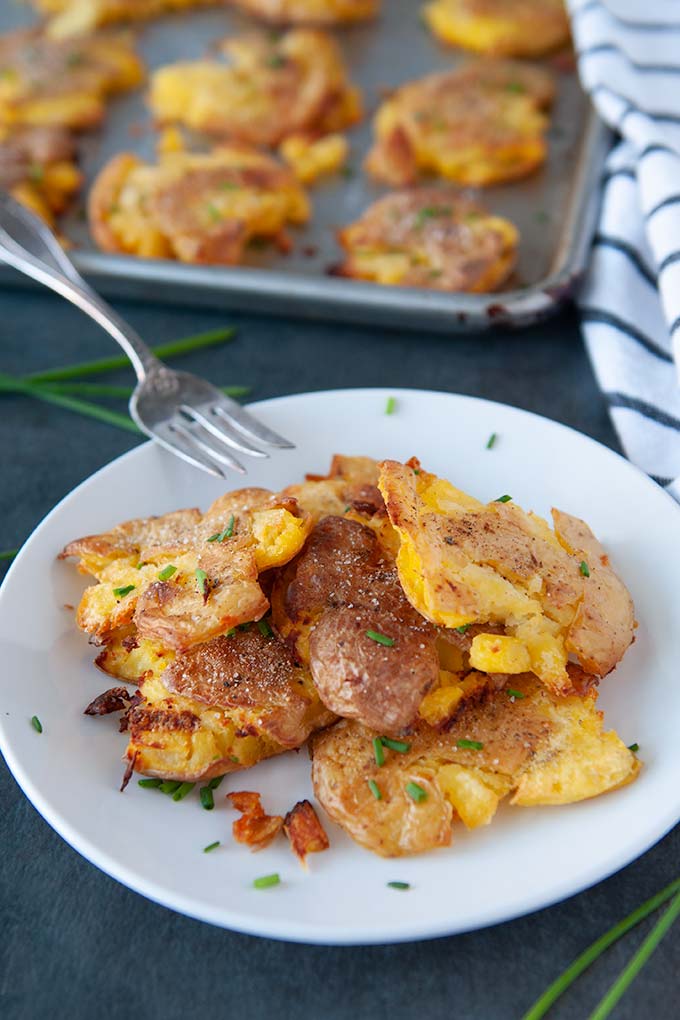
(78, 292)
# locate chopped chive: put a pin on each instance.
(220, 536)
(264, 629)
(213, 212)
(347, 171)
(166, 572)
(230, 632)
(207, 799)
(120, 593)
(202, 579)
(378, 751)
(266, 881)
(182, 790)
(416, 792)
(375, 789)
(277, 60)
(214, 783)
(503, 499)
(8, 554)
(347, 509)
(584, 568)
(471, 745)
(515, 86)
(149, 784)
(36, 173)
(634, 748)
(512, 693)
(463, 628)
(36, 724)
(429, 211)
(211, 846)
(381, 639)
(416, 471)
(395, 745)
(398, 885)
(169, 786)
(491, 440)
(236, 761)
(391, 405)
(139, 566)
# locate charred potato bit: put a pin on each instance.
(430, 237)
(78, 17)
(463, 562)
(305, 832)
(49, 83)
(542, 749)
(272, 88)
(37, 167)
(203, 208)
(340, 605)
(309, 12)
(500, 28)
(479, 124)
(254, 828)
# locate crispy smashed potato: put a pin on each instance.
(254, 828)
(305, 832)
(479, 124)
(187, 577)
(462, 562)
(313, 158)
(37, 167)
(310, 12)
(272, 87)
(501, 28)
(78, 17)
(429, 237)
(50, 83)
(541, 748)
(196, 207)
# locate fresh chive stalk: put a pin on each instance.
(266, 881)
(36, 724)
(8, 554)
(380, 639)
(416, 792)
(166, 573)
(207, 799)
(182, 790)
(470, 745)
(375, 789)
(398, 885)
(211, 846)
(149, 784)
(395, 745)
(378, 751)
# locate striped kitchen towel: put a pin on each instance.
(629, 62)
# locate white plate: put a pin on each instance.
(527, 859)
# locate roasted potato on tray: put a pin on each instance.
(315, 12)
(480, 124)
(501, 28)
(78, 17)
(37, 167)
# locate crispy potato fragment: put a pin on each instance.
(429, 237)
(522, 28)
(273, 87)
(479, 124)
(309, 12)
(311, 158)
(254, 828)
(547, 749)
(305, 832)
(462, 562)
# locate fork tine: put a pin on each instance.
(249, 426)
(175, 445)
(224, 433)
(196, 436)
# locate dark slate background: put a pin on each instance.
(75, 944)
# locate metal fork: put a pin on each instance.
(183, 413)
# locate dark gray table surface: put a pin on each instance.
(73, 942)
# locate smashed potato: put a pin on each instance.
(312, 158)
(541, 748)
(462, 562)
(479, 124)
(196, 207)
(429, 237)
(501, 28)
(79, 17)
(315, 12)
(272, 87)
(37, 167)
(50, 83)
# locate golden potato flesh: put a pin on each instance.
(195, 207)
(271, 88)
(51, 83)
(37, 167)
(501, 28)
(311, 12)
(462, 562)
(477, 125)
(523, 740)
(429, 237)
(78, 17)
(185, 578)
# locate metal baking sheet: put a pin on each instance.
(555, 209)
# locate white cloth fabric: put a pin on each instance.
(629, 62)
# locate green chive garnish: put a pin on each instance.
(202, 579)
(503, 499)
(380, 638)
(429, 211)
(169, 786)
(515, 86)
(214, 783)
(390, 406)
(634, 748)
(471, 745)
(416, 792)
(264, 629)
(398, 885)
(211, 846)
(182, 790)
(166, 572)
(375, 789)
(266, 881)
(512, 693)
(8, 554)
(463, 628)
(584, 568)
(227, 533)
(491, 440)
(395, 745)
(378, 751)
(36, 724)
(120, 593)
(207, 799)
(149, 784)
